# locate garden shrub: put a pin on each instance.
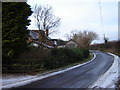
(46, 59)
(63, 56)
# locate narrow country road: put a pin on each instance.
(80, 77)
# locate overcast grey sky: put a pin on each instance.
(83, 15)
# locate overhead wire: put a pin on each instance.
(101, 19)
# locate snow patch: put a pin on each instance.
(14, 79)
(110, 77)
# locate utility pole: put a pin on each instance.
(105, 39)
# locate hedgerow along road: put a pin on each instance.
(80, 77)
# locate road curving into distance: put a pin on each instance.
(80, 77)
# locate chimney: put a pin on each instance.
(47, 32)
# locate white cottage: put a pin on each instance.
(71, 44)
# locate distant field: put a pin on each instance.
(113, 47)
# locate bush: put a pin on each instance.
(32, 60)
(63, 56)
(28, 61)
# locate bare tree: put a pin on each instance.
(72, 35)
(83, 39)
(46, 22)
(86, 37)
(45, 19)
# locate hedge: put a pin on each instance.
(63, 56)
(53, 58)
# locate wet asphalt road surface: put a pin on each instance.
(80, 77)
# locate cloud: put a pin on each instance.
(82, 15)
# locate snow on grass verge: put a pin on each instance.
(9, 79)
(110, 77)
(15, 81)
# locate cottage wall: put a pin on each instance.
(71, 44)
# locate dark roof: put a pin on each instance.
(71, 40)
(59, 41)
(34, 35)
